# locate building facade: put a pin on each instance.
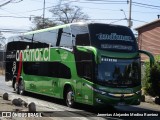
(149, 38)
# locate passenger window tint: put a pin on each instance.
(48, 69)
(64, 71)
(27, 38)
(80, 35)
(66, 40)
(82, 39)
(49, 37)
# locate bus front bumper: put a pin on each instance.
(117, 99)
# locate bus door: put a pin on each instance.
(84, 92)
(87, 84)
(85, 81)
(54, 78)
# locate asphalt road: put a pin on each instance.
(56, 107)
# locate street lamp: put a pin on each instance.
(124, 15)
(129, 22)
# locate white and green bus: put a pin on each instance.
(90, 63)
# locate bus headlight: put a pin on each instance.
(138, 92)
(98, 100)
(120, 95)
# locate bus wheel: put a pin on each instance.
(21, 88)
(16, 88)
(13, 84)
(70, 98)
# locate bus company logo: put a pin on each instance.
(38, 54)
(64, 55)
(114, 36)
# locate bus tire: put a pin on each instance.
(16, 88)
(13, 84)
(21, 87)
(69, 98)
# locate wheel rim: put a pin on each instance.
(21, 88)
(16, 87)
(70, 98)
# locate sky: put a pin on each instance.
(15, 15)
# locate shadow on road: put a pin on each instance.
(92, 109)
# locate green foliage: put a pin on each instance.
(41, 23)
(152, 78)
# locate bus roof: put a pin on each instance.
(63, 26)
(46, 29)
(52, 28)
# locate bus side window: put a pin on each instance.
(87, 71)
(82, 39)
(47, 37)
(66, 40)
(31, 68)
(64, 71)
(48, 69)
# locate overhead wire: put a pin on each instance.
(54, 18)
(13, 30)
(39, 9)
(146, 4)
(146, 7)
(9, 1)
(41, 1)
(79, 2)
(103, 2)
(93, 2)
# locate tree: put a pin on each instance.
(62, 14)
(152, 78)
(68, 14)
(40, 23)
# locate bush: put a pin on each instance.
(152, 79)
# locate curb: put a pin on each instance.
(150, 99)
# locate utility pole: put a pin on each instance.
(43, 11)
(130, 11)
(59, 4)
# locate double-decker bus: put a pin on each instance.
(90, 63)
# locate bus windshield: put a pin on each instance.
(112, 38)
(119, 72)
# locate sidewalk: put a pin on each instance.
(7, 106)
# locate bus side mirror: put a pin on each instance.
(152, 60)
(92, 50)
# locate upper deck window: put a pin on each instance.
(48, 37)
(80, 34)
(66, 40)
